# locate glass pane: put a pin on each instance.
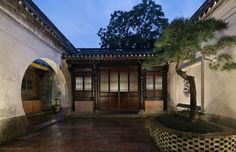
(104, 82)
(158, 83)
(114, 82)
(87, 83)
(124, 82)
(29, 85)
(133, 81)
(79, 83)
(149, 83)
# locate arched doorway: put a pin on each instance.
(42, 91)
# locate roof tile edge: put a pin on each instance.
(39, 16)
(205, 8)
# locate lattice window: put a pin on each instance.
(114, 82)
(158, 83)
(87, 83)
(149, 82)
(133, 81)
(104, 80)
(124, 82)
(79, 83)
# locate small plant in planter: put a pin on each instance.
(57, 105)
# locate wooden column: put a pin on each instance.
(72, 87)
(95, 87)
(142, 88)
(164, 84)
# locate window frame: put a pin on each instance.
(128, 82)
(154, 93)
(27, 84)
(90, 83)
(83, 83)
(78, 88)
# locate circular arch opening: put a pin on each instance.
(42, 91)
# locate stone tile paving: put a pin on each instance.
(88, 135)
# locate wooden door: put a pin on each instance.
(119, 90)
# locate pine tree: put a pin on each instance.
(183, 39)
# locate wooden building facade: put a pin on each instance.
(113, 81)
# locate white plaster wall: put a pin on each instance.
(220, 86)
(220, 92)
(19, 47)
(176, 85)
(68, 93)
(226, 12)
(172, 88)
(194, 70)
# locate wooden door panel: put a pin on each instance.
(124, 102)
(122, 94)
(113, 101)
(134, 102)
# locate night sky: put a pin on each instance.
(80, 20)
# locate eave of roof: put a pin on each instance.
(206, 7)
(104, 54)
(40, 64)
(43, 20)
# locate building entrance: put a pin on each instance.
(119, 89)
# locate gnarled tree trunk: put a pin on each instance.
(193, 94)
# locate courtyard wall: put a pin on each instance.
(21, 43)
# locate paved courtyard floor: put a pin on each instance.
(88, 135)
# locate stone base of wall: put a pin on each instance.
(84, 106)
(169, 140)
(14, 127)
(154, 106)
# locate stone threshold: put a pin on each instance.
(100, 115)
(39, 113)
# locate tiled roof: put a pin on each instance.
(41, 62)
(109, 54)
(204, 9)
(43, 20)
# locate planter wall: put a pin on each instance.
(169, 140)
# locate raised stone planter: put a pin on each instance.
(171, 140)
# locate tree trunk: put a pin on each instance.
(193, 99)
(193, 94)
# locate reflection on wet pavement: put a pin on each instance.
(88, 135)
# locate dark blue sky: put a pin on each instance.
(80, 20)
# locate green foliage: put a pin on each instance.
(182, 39)
(223, 62)
(135, 29)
